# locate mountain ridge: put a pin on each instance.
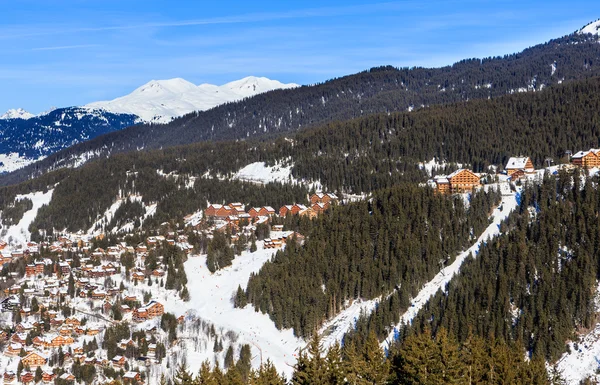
(160, 101)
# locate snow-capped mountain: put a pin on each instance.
(593, 28)
(27, 140)
(163, 100)
(18, 113)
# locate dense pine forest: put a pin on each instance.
(361, 155)
(378, 90)
(398, 240)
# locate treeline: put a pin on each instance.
(535, 284)
(421, 360)
(399, 238)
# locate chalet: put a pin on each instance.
(323, 198)
(19, 338)
(67, 377)
(118, 361)
(218, 211)
(27, 377)
(308, 212)
(39, 267)
(237, 208)
(138, 276)
(519, 165)
(155, 309)
(319, 207)
(587, 159)
(13, 349)
(9, 377)
(98, 294)
(141, 249)
(33, 360)
(158, 273)
(72, 321)
(23, 327)
(459, 181)
(25, 312)
(132, 378)
(30, 270)
(140, 314)
(92, 331)
(291, 209)
(47, 376)
(124, 344)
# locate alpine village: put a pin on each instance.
(393, 226)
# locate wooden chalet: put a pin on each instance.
(27, 377)
(459, 181)
(323, 198)
(520, 165)
(33, 360)
(587, 159)
(9, 377)
(132, 378)
(294, 209)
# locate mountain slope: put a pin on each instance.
(26, 140)
(162, 100)
(384, 89)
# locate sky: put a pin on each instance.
(64, 53)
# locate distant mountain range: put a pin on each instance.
(162, 100)
(27, 137)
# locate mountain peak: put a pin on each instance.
(162, 100)
(593, 28)
(18, 113)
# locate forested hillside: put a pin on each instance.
(361, 155)
(398, 239)
(379, 90)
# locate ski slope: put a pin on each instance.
(439, 282)
(19, 234)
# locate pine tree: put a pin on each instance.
(182, 376)
(229, 360)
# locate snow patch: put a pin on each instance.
(19, 233)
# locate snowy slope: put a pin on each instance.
(211, 299)
(18, 113)
(593, 28)
(19, 233)
(162, 100)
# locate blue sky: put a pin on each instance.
(62, 53)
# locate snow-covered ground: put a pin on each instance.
(259, 172)
(583, 358)
(13, 161)
(439, 282)
(593, 28)
(431, 166)
(19, 233)
(211, 299)
(334, 330)
(162, 100)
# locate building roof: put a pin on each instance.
(517, 162)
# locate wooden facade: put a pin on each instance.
(463, 180)
(33, 360)
(586, 159)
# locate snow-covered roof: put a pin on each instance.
(517, 163)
